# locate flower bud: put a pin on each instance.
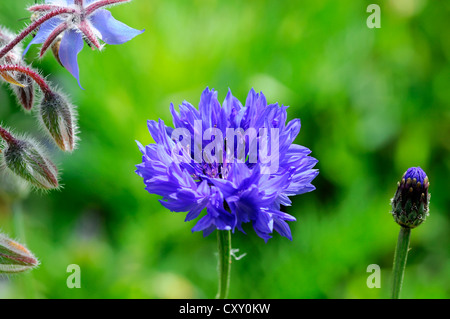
(411, 201)
(15, 258)
(57, 115)
(22, 85)
(25, 159)
(25, 92)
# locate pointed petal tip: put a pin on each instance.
(79, 84)
(71, 45)
(112, 31)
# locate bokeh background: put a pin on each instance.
(373, 102)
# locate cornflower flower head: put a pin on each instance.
(239, 162)
(411, 200)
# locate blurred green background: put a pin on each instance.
(373, 102)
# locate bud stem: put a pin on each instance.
(401, 254)
(224, 246)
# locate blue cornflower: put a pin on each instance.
(239, 162)
(86, 20)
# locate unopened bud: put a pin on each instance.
(14, 257)
(24, 93)
(411, 201)
(22, 85)
(25, 159)
(58, 117)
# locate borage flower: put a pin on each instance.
(85, 20)
(239, 162)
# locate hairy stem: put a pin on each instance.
(52, 37)
(224, 247)
(401, 254)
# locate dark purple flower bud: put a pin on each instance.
(14, 257)
(25, 159)
(58, 117)
(411, 201)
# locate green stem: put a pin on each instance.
(224, 246)
(401, 254)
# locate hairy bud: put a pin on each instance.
(58, 117)
(22, 85)
(14, 257)
(25, 159)
(411, 201)
(25, 93)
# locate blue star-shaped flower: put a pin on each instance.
(87, 21)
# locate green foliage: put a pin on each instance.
(373, 102)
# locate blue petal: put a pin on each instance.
(282, 228)
(205, 108)
(44, 31)
(111, 30)
(215, 218)
(71, 44)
